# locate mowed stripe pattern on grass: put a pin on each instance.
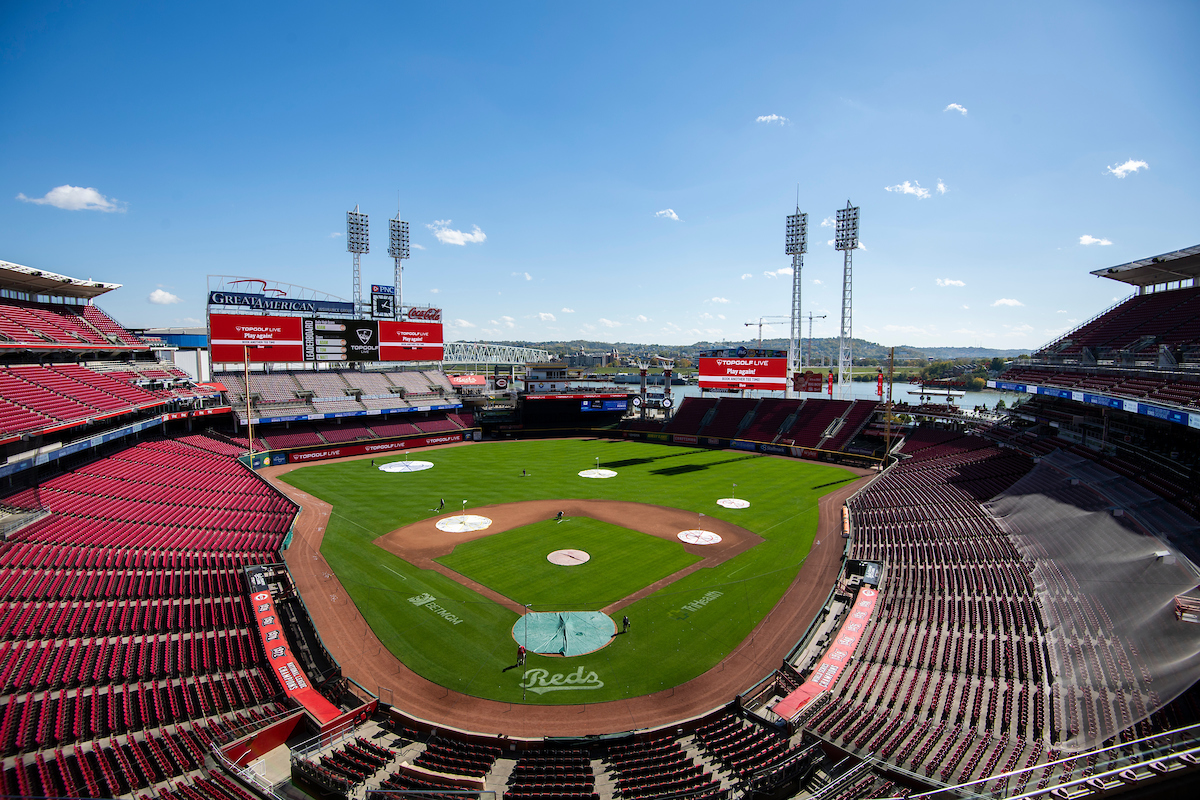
(678, 633)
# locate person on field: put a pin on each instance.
(442, 504)
(625, 624)
(559, 518)
(520, 655)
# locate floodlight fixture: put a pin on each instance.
(846, 232)
(795, 245)
(398, 229)
(797, 234)
(357, 238)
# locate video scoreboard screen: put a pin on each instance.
(743, 373)
(234, 337)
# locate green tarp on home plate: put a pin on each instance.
(564, 633)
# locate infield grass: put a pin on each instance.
(463, 641)
(514, 563)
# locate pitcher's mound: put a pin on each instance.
(568, 558)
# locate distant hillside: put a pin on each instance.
(822, 349)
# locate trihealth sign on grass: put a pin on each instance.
(540, 681)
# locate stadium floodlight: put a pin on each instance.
(398, 229)
(846, 232)
(358, 241)
(846, 240)
(398, 250)
(797, 234)
(795, 245)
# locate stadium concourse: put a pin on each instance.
(1014, 608)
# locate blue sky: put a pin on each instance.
(535, 150)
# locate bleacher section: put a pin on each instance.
(127, 643)
(60, 326)
(38, 397)
(290, 394)
(1169, 318)
(811, 422)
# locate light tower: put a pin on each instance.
(357, 242)
(796, 245)
(398, 250)
(846, 240)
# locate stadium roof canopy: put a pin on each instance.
(39, 281)
(1177, 266)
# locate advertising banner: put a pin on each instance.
(284, 665)
(836, 657)
(743, 373)
(468, 380)
(267, 338)
(374, 447)
(260, 302)
(371, 340)
(410, 341)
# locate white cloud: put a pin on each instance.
(830, 243)
(447, 235)
(75, 198)
(418, 246)
(667, 213)
(1121, 170)
(720, 316)
(568, 310)
(1087, 240)
(460, 323)
(768, 118)
(706, 315)
(782, 272)
(546, 316)
(941, 187)
(909, 187)
(1007, 301)
(747, 276)
(861, 246)
(161, 297)
(1061, 311)
(720, 300)
(524, 275)
(828, 222)
(504, 322)
(608, 323)
(817, 281)
(949, 282)
(642, 318)
(336, 234)
(955, 107)
(434, 291)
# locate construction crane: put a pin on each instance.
(810, 319)
(760, 323)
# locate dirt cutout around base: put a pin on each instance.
(364, 658)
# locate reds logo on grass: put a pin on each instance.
(540, 681)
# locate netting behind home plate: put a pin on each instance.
(1117, 651)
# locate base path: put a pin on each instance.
(364, 658)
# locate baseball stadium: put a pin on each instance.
(314, 550)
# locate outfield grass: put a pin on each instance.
(514, 563)
(668, 644)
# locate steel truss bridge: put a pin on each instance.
(483, 353)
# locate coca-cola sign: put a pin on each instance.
(425, 314)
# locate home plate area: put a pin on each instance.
(564, 633)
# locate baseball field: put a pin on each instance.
(446, 603)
